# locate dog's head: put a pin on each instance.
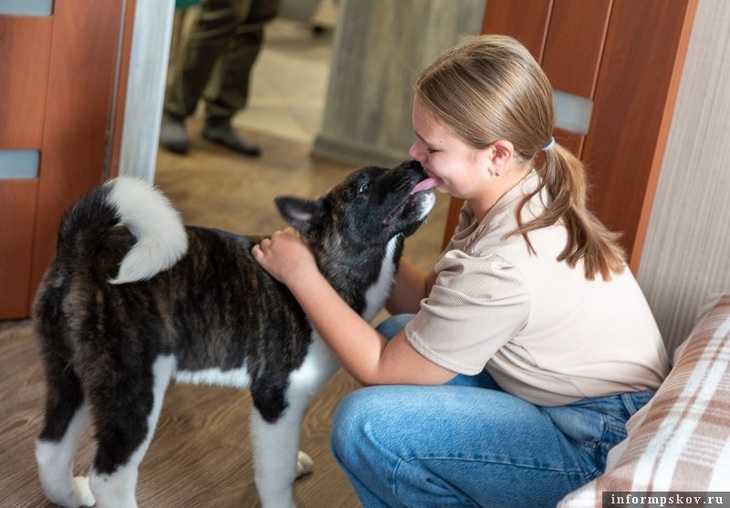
(370, 207)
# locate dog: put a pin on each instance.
(134, 298)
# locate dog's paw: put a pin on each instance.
(304, 464)
(76, 494)
(82, 492)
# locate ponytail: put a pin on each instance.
(490, 87)
(588, 239)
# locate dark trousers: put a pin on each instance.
(217, 56)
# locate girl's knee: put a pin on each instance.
(348, 421)
(358, 423)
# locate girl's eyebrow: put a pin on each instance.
(422, 139)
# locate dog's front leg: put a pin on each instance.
(278, 461)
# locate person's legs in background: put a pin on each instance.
(215, 62)
(227, 91)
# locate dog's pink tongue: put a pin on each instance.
(428, 183)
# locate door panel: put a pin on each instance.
(21, 127)
(634, 101)
(59, 99)
(525, 20)
(574, 45)
(21, 116)
(573, 51)
(17, 210)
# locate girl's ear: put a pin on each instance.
(500, 155)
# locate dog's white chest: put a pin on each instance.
(377, 294)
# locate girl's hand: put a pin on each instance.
(286, 255)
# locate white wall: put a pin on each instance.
(686, 256)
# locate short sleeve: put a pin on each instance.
(478, 304)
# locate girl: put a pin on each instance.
(512, 367)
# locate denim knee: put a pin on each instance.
(346, 427)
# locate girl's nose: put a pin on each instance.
(416, 153)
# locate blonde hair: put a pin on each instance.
(489, 88)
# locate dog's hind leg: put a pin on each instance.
(55, 465)
(67, 416)
(124, 433)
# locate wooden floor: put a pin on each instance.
(200, 455)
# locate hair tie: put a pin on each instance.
(549, 145)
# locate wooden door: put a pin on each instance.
(62, 84)
(625, 56)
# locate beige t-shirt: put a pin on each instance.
(541, 329)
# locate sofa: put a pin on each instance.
(680, 441)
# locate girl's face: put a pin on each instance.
(459, 169)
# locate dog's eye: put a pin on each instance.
(364, 187)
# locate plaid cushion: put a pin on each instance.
(679, 441)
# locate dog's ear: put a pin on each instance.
(303, 214)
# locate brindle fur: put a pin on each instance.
(215, 311)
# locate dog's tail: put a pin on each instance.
(146, 213)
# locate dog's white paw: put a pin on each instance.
(78, 495)
(82, 492)
(304, 464)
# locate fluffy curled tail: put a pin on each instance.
(143, 210)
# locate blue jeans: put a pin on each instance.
(468, 443)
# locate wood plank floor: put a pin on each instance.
(200, 455)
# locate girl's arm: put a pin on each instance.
(362, 351)
(411, 286)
